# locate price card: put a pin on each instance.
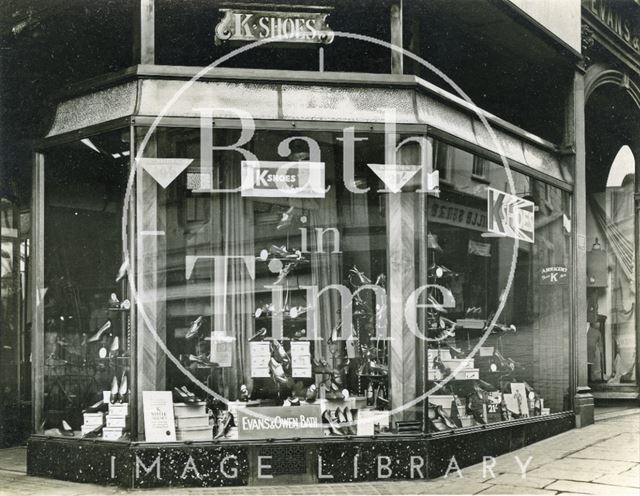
(260, 355)
(221, 349)
(301, 359)
(159, 423)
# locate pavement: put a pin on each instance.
(601, 459)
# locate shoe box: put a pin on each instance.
(192, 422)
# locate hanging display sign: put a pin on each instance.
(282, 179)
(556, 275)
(509, 215)
(453, 214)
(244, 25)
(275, 422)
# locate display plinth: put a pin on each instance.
(237, 463)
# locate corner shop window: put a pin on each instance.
(521, 368)
(257, 300)
(86, 312)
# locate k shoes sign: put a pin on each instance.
(510, 216)
(283, 179)
(241, 25)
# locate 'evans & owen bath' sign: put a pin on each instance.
(242, 25)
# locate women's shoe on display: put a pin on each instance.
(278, 352)
(194, 328)
(115, 347)
(98, 334)
(224, 424)
(349, 418)
(94, 432)
(180, 396)
(333, 427)
(259, 335)
(122, 271)
(192, 397)
(66, 429)
(277, 372)
(293, 401)
(114, 397)
(445, 418)
(123, 390)
(312, 394)
(265, 310)
(300, 334)
(244, 393)
(298, 311)
(285, 272)
(114, 302)
(202, 360)
(99, 407)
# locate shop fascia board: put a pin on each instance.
(140, 94)
(611, 42)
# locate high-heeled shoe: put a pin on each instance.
(278, 352)
(124, 268)
(99, 407)
(113, 398)
(286, 220)
(277, 372)
(259, 335)
(265, 310)
(445, 419)
(224, 425)
(94, 432)
(194, 328)
(123, 390)
(346, 413)
(115, 347)
(333, 427)
(66, 429)
(202, 361)
(285, 272)
(298, 311)
(98, 334)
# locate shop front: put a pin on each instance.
(278, 279)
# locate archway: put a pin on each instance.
(612, 117)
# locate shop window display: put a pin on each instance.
(518, 367)
(87, 325)
(261, 315)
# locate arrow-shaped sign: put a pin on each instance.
(165, 170)
(394, 176)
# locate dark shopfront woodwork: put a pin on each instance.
(262, 463)
(622, 18)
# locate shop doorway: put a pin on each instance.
(611, 241)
